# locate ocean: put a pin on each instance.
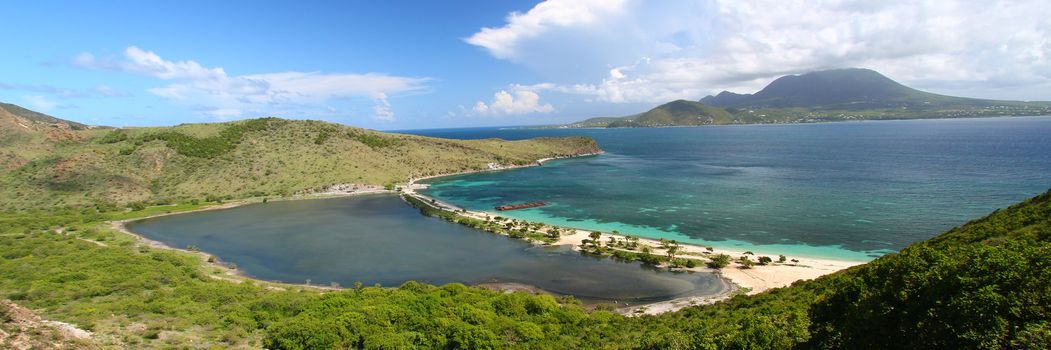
(849, 190)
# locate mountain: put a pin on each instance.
(846, 88)
(830, 95)
(259, 157)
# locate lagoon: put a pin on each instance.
(380, 239)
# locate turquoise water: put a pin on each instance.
(381, 239)
(853, 190)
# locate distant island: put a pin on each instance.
(823, 96)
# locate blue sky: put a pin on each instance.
(399, 65)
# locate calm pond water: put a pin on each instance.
(381, 239)
(852, 190)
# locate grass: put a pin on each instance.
(255, 158)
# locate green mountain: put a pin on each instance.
(841, 88)
(831, 95)
(679, 112)
(260, 157)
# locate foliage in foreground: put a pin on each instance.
(984, 285)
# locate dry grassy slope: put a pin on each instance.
(20, 328)
(287, 157)
(22, 138)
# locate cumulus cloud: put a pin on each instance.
(544, 18)
(521, 100)
(214, 92)
(635, 51)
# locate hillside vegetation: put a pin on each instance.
(986, 284)
(831, 95)
(260, 157)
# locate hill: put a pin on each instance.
(11, 112)
(260, 157)
(831, 95)
(985, 284)
(680, 112)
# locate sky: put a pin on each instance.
(431, 64)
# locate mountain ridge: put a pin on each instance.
(53, 166)
(820, 96)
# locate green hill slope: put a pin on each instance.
(261, 157)
(986, 284)
(676, 113)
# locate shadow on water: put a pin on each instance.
(380, 239)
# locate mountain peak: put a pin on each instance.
(827, 88)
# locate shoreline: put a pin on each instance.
(492, 168)
(559, 127)
(738, 280)
(752, 280)
(235, 275)
(232, 273)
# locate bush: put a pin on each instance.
(719, 261)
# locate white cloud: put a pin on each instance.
(382, 108)
(542, 19)
(39, 103)
(213, 92)
(635, 51)
(521, 100)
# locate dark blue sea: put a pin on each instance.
(850, 190)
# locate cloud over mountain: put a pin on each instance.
(635, 51)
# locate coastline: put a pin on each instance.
(738, 280)
(234, 275)
(567, 127)
(750, 280)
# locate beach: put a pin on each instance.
(751, 280)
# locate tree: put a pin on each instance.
(671, 251)
(745, 262)
(763, 260)
(595, 238)
(719, 261)
(781, 259)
